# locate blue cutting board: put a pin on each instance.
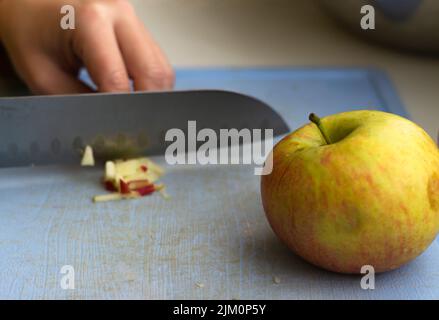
(213, 230)
(294, 93)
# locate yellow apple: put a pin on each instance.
(353, 189)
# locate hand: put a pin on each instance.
(109, 40)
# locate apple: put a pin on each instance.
(353, 189)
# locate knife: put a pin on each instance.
(43, 130)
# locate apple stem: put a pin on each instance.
(315, 119)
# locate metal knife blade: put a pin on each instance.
(44, 130)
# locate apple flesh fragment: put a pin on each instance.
(130, 167)
(362, 191)
(88, 158)
(132, 178)
(115, 197)
(110, 171)
(141, 177)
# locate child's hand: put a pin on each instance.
(109, 40)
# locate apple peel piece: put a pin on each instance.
(139, 184)
(124, 187)
(108, 197)
(144, 191)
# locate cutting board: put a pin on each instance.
(211, 239)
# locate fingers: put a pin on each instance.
(111, 42)
(114, 49)
(97, 47)
(43, 76)
(144, 60)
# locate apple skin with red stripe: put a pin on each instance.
(368, 196)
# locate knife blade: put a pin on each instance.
(42, 130)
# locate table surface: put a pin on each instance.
(211, 240)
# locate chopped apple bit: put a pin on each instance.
(88, 159)
(115, 197)
(159, 187)
(162, 190)
(144, 191)
(164, 194)
(141, 176)
(199, 284)
(124, 187)
(110, 171)
(137, 184)
(132, 178)
(108, 197)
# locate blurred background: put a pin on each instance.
(252, 33)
